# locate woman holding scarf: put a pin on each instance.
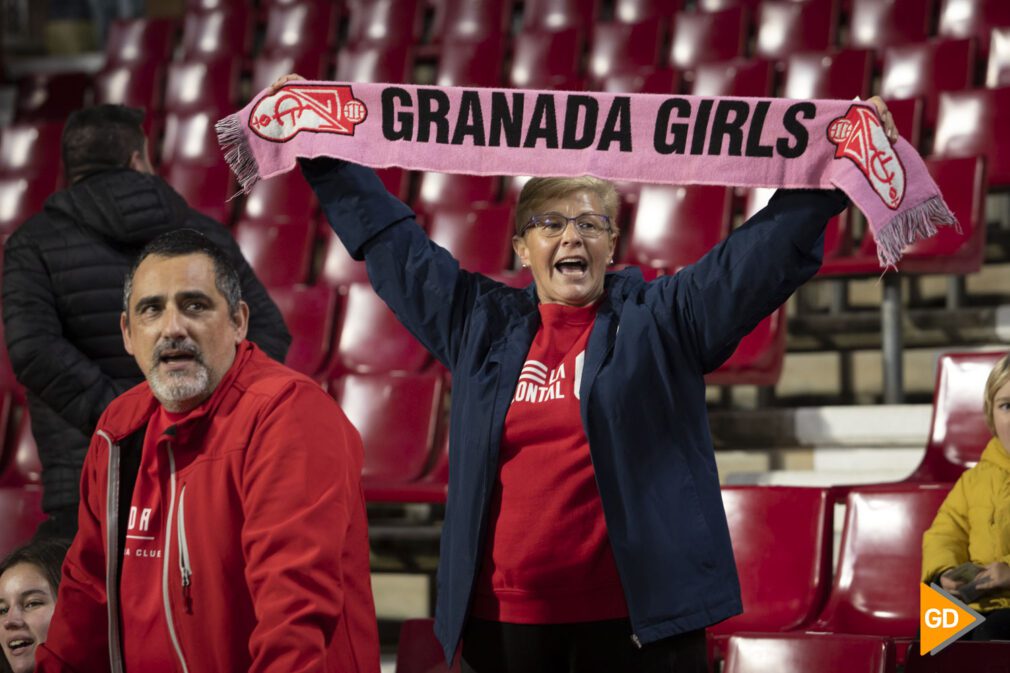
(584, 528)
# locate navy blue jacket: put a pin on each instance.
(642, 395)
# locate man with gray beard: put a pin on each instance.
(222, 520)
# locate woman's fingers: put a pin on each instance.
(890, 129)
(282, 80)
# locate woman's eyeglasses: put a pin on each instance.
(552, 225)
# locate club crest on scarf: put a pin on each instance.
(859, 136)
(316, 109)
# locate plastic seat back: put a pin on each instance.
(21, 511)
(132, 40)
(471, 63)
(708, 37)
(555, 15)
(396, 415)
(785, 27)
(927, 68)
(546, 60)
(972, 18)
(374, 62)
(218, 33)
(384, 21)
(976, 123)
(843, 74)
(202, 85)
(675, 225)
(31, 148)
(299, 27)
(21, 464)
(820, 652)
(454, 190)
(874, 24)
(957, 432)
(783, 585)
(310, 315)
(997, 72)
(876, 586)
(739, 77)
(480, 238)
(622, 47)
(372, 340)
(131, 84)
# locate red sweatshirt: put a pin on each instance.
(547, 558)
(265, 561)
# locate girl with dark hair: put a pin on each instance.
(29, 579)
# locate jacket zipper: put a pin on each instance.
(164, 566)
(112, 554)
(184, 566)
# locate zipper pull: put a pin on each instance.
(636, 640)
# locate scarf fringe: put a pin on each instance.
(915, 224)
(237, 152)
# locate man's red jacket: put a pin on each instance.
(263, 496)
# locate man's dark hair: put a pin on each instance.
(181, 242)
(46, 554)
(99, 138)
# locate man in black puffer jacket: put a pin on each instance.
(63, 292)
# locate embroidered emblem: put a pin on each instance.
(312, 108)
(859, 136)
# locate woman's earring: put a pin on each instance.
(611, 261)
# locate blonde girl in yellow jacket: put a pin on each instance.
(973, 523)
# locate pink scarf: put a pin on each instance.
(684, 140)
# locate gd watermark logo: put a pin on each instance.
(943, 618)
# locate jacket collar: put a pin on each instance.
(132, 411)
(996, 454)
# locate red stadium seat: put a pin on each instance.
(299, 27)
(926, 69)
(973, 123)
(20, 198)
(471, 63)
(876, 586)
(21, 511)
(480, 237)
(783, 586)
(820, 652)
(431, 488)
(203, 85)
(418, 650)
(734, 78)
(282, 199)
(310, 315)
(21, 465)
(456, 190)
(397, 416)
(374, 62)
(997, 71)
(957, 432)
(623, 47)
(468, 21)
(907, 114)
(47, 96)
(644, 80)
(278, 251)
(396, 181)
(972, 18)
(132, 40)
(372, 340)
(707, 37)
(134, 84)
(30, 148)
(339, 268)
(875, 25)
(785, 27)
(719, 5)
(384, 21)
(192, 163)
(963, 185)
(843, 74)
(266, 68)
(633, 11)
(542, 60)
(216, 34)
(758, 358)
(555, 15)
(675, 225)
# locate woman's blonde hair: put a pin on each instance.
(998, 377)
(538, 191)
